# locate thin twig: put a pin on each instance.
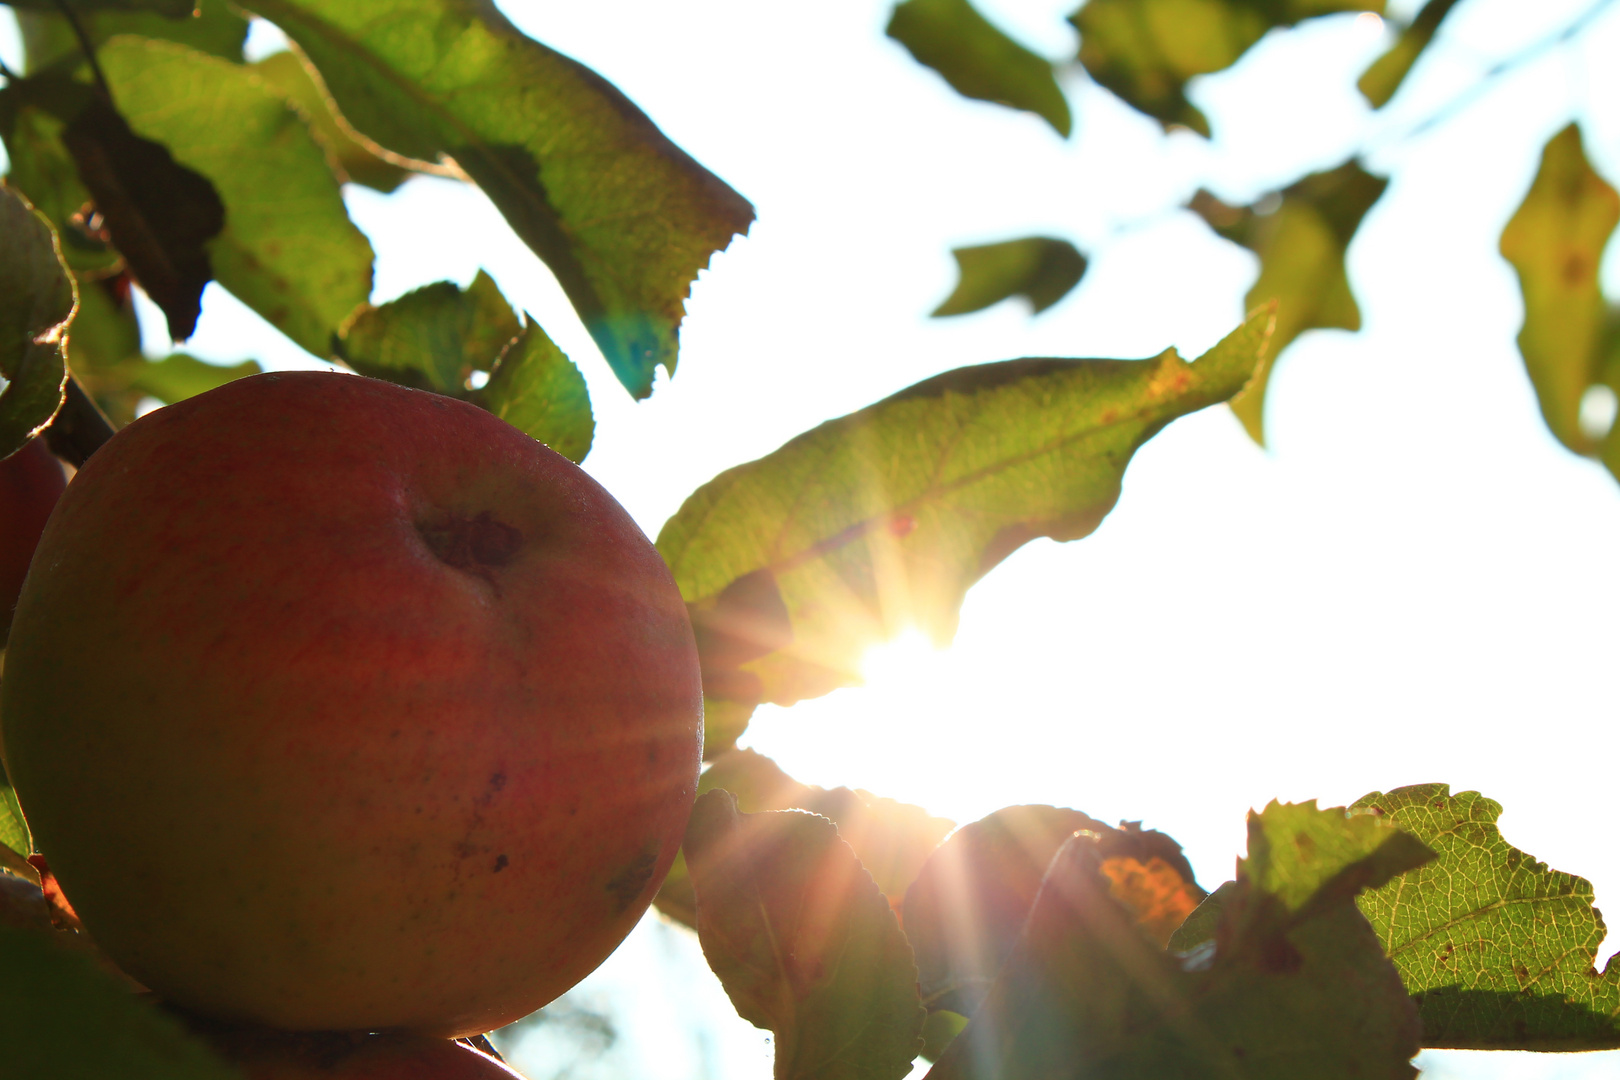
(86, 45)
(1495, 72)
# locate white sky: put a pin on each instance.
(1415, 584)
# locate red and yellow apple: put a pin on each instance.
(337, 705)
(31, 481)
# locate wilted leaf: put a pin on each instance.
(537, 389)
(1380, 81)
(891, 839)
(964, 912)
(1555, 242)
(1288, 990)
(60, 1016)
(287, 72)
(1301, 242)
(803, 942)
(1145, 51)
(884, 518)
(288, 249)
(978, 60)
(1038, 268)
(622, 216)
(1497, 949)
(37, 300)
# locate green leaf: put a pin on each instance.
(14, 832)
(1380, 81)
(1039, 268)
(37, 301)
(1555, 241)
(355, 158)
(964, 912)
(1301, 241)
(978, 60)
(795, 564)
(891, 839)
(174, 9)
(61, 1016)
(288, 250)
(1497, 949)
(537, 389)
(622, 216)
(803, 942)
(1289, 991)
(1145, 51)
(212, 26)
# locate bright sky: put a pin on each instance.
(1415, 584)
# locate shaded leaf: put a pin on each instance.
(37, 301)
(1301, 241)
(1145, 51)
(803, 942)
(288, 249)
(978, 60)
(964, 912)
(1497, 949)
(622, 216)
(43, 170)
(891, 839)
(1038, 268)
(884, 518)
(1287, 991)
(1380, 81)
(538, 390)
(31, 482)
(61, 1016)
(355, 160)
(1555, 241)
(159, 214)
(211, 26)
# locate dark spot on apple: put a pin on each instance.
(497, 781)
(477, 545)
(501, 863)
(628, 883)
(464, 850)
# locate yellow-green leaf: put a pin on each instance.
(1380, 81)
(795, 564)
(354, 157)
(1039, 268)
(1555, 241)
(1301, 240)
(978, 60)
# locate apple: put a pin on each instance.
(267, 1054)
(338, 705)
(31, 480)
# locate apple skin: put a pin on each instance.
(337, 705)
(31, 480)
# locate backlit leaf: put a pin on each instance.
(43, 170)
(14, 833)
(1380, 81)
(622, 216)
(1145, 51)
(174, 9)
(795, 564)
(538, 390)
(287, 72)
(978, 60)
(1293, 986)
(61, 1016)
(803, 942)
(37, 300)
(288, 249)
(1301, 241)
(1555, 241)
(1038, 268)
(1497, 949)
(212, 26)
(964, 912)
(891, 839)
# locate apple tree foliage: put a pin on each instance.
(146, 151)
